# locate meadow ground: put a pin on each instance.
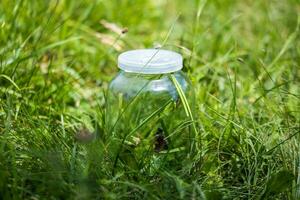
(57, 57)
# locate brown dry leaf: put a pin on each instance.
(84, 136)
(160, 142)
(110, 41)
(113, 27)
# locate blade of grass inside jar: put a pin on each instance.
(186, 106)
(133, 99)
(156, 112)
(182, 96)
(149, 117)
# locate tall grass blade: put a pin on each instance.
(10, 80)
(185, 106)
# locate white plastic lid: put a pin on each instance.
(150, 61)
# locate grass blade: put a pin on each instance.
(185, 105)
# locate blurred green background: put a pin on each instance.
(57, 57)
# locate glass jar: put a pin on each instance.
(145, 111)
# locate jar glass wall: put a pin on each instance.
(146, 115)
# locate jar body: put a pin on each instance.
(146, 111)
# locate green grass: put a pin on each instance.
(56, 60)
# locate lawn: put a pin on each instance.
(58, 57)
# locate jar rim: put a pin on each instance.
(150, 61)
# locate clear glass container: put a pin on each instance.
(145, 113)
